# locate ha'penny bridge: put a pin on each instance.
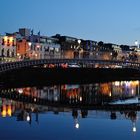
(83, 63)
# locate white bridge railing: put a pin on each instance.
(83, 62)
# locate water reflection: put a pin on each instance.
(99, 93)
(78, 101)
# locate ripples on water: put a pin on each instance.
(88, 111)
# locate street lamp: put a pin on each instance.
(29, 49)
(79, 42)
(29, 43)
(137, 43)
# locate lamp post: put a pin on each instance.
(38, 52)
(137, 43)
(29, 49)
(79, 42)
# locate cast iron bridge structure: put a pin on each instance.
(84, 63)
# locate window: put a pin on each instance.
(3, 42)
(18, 47)
(13, 43)
(8, 42)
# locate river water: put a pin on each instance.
(70, 112)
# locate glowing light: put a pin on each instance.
(20, 90)
(117, 83)
(110, 94)
(136, 43)
(127, 83)
(134, 129)
(29, 43)
(80, 98)
(34, 99)
(11, 39)
(77, 125)
(9, 111)
(3, 113)
(38, 46)
(5, 38)
(28, 118)
(18, 54)
(132, 91)
(79, 41)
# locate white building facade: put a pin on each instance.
(44, 48)
(7, 46)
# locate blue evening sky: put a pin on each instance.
(114, 21)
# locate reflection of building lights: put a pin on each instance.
(132, 91)
(9, 111)
(117, 83)
(77, 125)
(20, 91)
(3, 113)
(34, 99)
(127, 84)
(134, 129)
(28, 118)
(135, 83)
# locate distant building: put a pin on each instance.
(42, 47)
(68, 45)
(24, 32)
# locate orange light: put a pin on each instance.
(9, 111)
(3, 113)
(11, 39)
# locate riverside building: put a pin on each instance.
(8, 47)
